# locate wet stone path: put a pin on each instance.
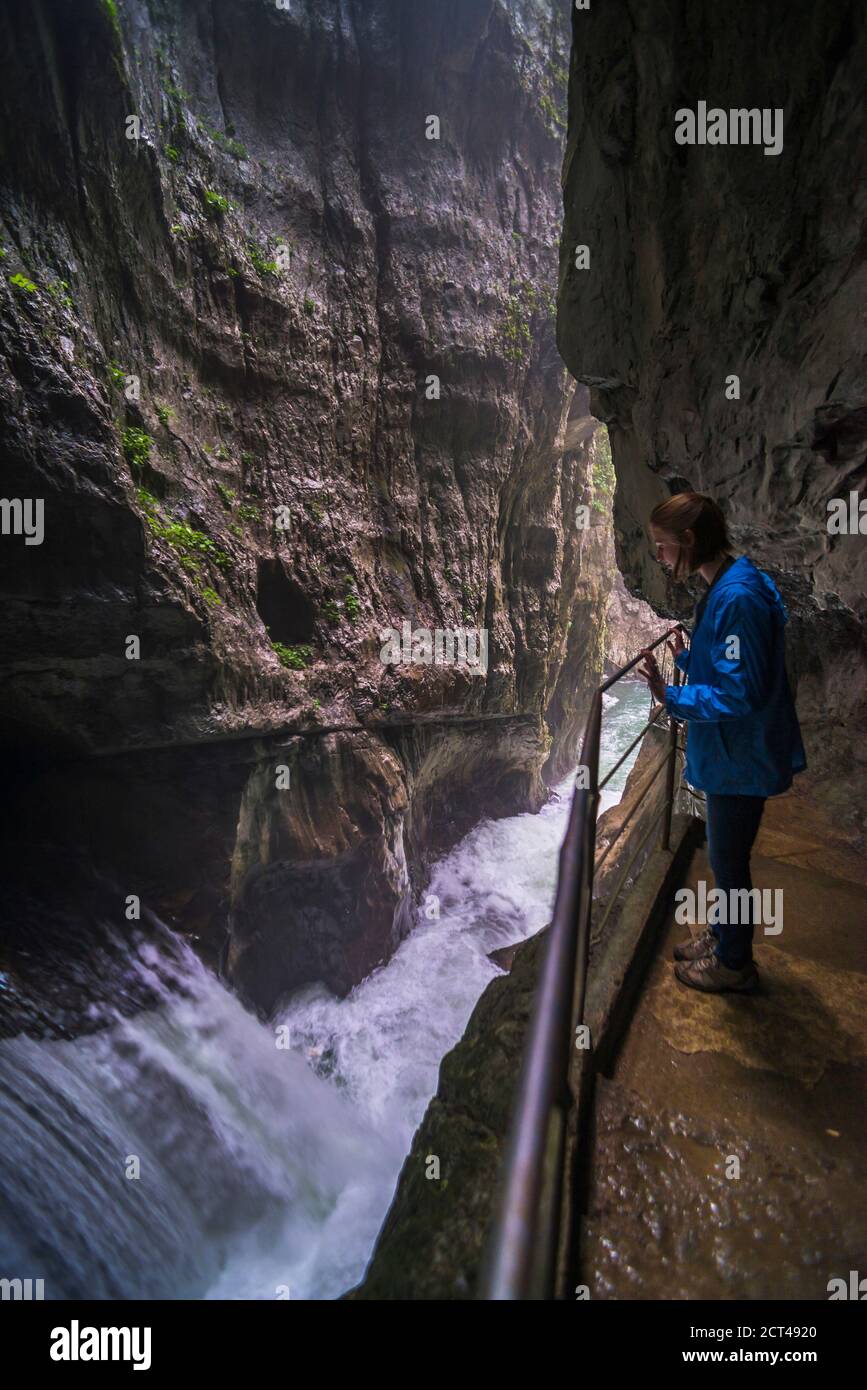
(728, 1158)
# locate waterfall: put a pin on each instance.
(267, 1153)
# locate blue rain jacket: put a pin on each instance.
(743, 736)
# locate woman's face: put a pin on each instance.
(668, 547)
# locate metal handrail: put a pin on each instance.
(522, 1247)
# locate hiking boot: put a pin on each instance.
(697, 946)
(712, 977)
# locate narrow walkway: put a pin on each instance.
(776, 1082)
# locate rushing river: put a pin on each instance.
(266, 1156)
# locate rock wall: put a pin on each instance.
(232, 266)
(629, 622)
(713, 261)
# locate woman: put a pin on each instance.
(743, 740)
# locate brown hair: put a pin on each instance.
(692, 511)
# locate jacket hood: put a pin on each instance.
(744, 575)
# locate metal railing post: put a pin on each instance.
(665, 842)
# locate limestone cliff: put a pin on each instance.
(710, 262)
(278, 358)
(629, 622)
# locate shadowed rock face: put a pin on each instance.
(282, 261)
(712, 261)
(629, 622)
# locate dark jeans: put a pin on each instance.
(732, 826)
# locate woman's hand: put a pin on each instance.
(652, 674)
(678, 645)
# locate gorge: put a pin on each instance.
(232, 325)
(296, 364)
